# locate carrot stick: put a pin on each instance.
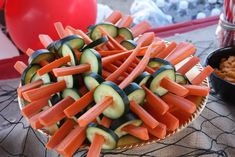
(149, 41)
(55, 64)
(112, 40)
(105, 73)
(188, 65)
(106, 122)
(29, 52)
(202, 76)
(159, 131)
(80, 33)
(173, 87)
(139, 68)
(43, 63)
(34, 121)
(110, 46)
(20, 67)
(60, 134)
(28, 87)
(60, 29)
(71, 70)
(34, 107)
(57, 111)
(45, 39)
(163, 54)
(112, 68)
(96, 145)
(83, 90)
(114, 17)
(44, 91)
(197, 90)
(160, 46)
(181, 116)
(143, 114)
(68, 146)
(140, 28)
(160, 106)
(95, 111)
(179, 102)
(125, 21)
(80, 104)
(168, 119)
(137, 131)
(182, 51)
(109, 52)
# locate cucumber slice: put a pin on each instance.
(92, 80)
(155, 79)
(96, 43)
(54, 99)
(125, 33)
(156, 63)
(93, 58)
(41, 55)
(46, 78)
(67, 50)
(123, 121)
(181, 79)
(110, 137)
(28, 73)
(142, 79)
(129, 44)
(111, 29)
(72, 92)
(52, 47)
(72, 81)
(120, 104)
(135, 92)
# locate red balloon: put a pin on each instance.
(26, 19)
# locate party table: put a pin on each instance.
(211, 134)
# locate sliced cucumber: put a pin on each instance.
(111, 29)
(92, 80)
(125, 33)
(96, 43)
(129, 44)
(52, 47)
(72, 81)
(67, 50)
(135, 92)
(72, 92)
(120, 104)
(110, 137)
(123, 121)
(181, 79)
(156, 63)
(142, 79)
(46, 78)
(54, 99)
(93, 58)
(28, 73)
(155, 79)
(41, 55)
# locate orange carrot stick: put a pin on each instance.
(105, 73)
(60, 134)
(182, 51)
(79, 104)
(34, 107)
(55, 64)
(44, 91)
(188, 65)
(20, 67)
(34, 121)
(45, 40)
(163, 54)
(71, 70)
(29, 52)
(153, 100)
(202, 76)
(143, 114)
(96, 110)
(149, 41)
(106, 122)
(57, 111)
(28, 87)
(179, 102)
(160, 46)
(114, 17)
(140, 28)
(173, 87)
(96, 145)
(60, 29)
(68, 146)
(159, 131)
(137, 131)
(197, 90)
(181, 116)
(82, 34)
(125, 21)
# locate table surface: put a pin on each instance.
(211, 134)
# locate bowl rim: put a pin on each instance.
(219, 50)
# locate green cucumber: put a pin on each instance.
(125, 33)
(92, 80)
(111, 29)
(41, 55)
(142, 79)
(135, 93)
(129, 44)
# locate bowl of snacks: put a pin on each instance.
(223, 78)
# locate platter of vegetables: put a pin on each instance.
(116, 86)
